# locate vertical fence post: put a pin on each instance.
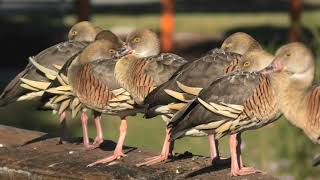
(167, 25)
(83, 10)
(295, 14)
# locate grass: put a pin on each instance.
(202, 23)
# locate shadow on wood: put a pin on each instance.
(42, 158)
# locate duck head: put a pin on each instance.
(240, 43)
(296, 62)
(83, 31)
(110, 36)
(98, 50)
(255, 60)
(141, 43)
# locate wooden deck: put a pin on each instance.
(28, 154)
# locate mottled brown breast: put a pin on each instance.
(92, 91)
(313, 109)
(139, 76)
(260, 108)
(141, 83)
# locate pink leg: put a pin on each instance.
(84, 123)
(214, 153)
(171, 147)
(164, 153)
(118, 151)
(240, 157)
(63, 128)
(99, 137)
(236, 162)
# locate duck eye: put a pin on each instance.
(288, 54)
(112, 51)
(74, 33)
(246, 64)
(136, 40)
(227, 45)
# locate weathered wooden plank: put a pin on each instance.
(42, 158)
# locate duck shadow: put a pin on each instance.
(178, 156)
(106, 145)
(109, 145)
(215, 165)
(45, 137)
(40, 138)
(206, 170)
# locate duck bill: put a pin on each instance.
(123, 51)
(274, 67)
(70, 36)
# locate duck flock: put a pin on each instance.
(230, 89)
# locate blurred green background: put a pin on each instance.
(279, 149)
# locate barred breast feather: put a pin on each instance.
(234, 103)
(140, 76)
(90, 90)
(96, 87)
(312, 114)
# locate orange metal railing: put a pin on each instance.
(167, 25)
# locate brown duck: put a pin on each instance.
(58, 92)
(52, 58)
(192, 78)
(292, 76)
(143, 67)
(232, 104)
(91, 77)
(79, 37)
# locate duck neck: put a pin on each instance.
(291, 94)
(123, 68)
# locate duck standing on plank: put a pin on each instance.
(19, 88)
(143, 68)
(193, 77)
(80, 35)
(92, 82)
(292, 76)
(233, 103)
(64, 93)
